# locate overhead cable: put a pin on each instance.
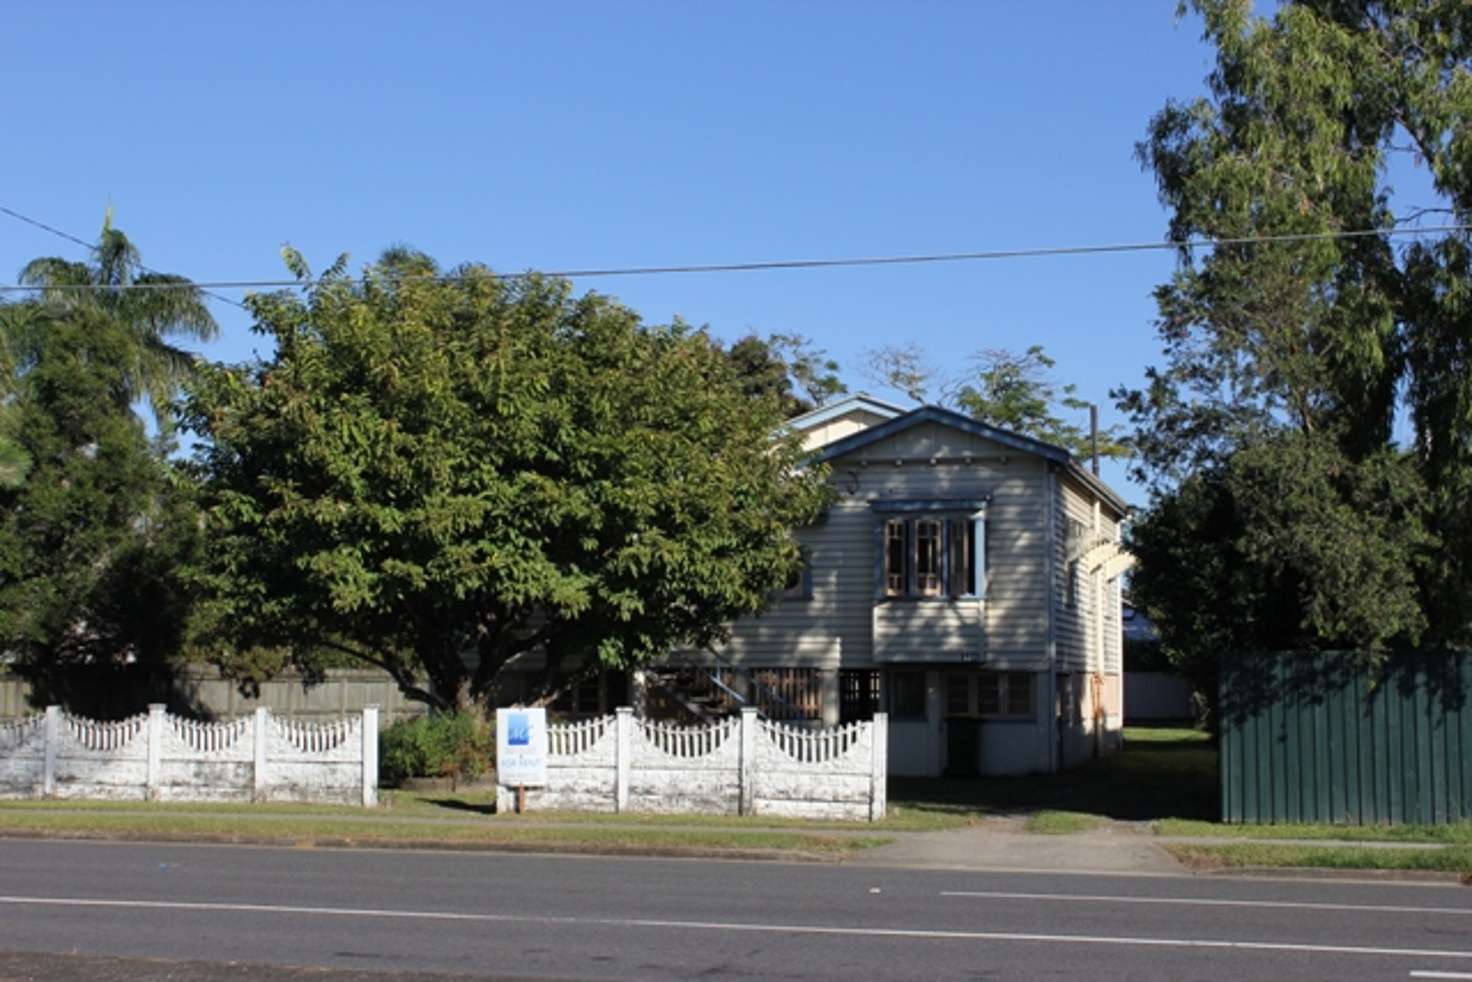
(792, 264)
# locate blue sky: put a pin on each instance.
(578, 134)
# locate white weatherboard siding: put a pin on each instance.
(843, 554)
(1015, 748)
(836, 429)
(1088, 626)
(1079, 648)
(914, 747)
(1027, 619)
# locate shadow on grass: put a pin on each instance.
(1164, 774)
(461, 805)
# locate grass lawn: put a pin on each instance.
(1060, 823)
(327, 825)
(900, 818)
(1162, 772)
(1454, 859)
(1459, 833)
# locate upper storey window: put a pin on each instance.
(929, 556)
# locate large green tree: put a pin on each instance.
(1268, 434)
(91, 535)
(436, 474)
(94, 521)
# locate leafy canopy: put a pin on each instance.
(1013, 391)
(786, 367)
(439, 475)
(1285, 515)
(91, 532)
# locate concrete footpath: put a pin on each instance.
(996, 846)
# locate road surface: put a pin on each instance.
(572, 917)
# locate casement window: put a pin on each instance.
(907, 695)
(858, 693)
(929, 556)
(928, 553)
(990, 695)
(1005, 695)
(896, 564)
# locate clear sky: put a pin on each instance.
(609, 134)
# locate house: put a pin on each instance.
(966, 580)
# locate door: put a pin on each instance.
(963, 728)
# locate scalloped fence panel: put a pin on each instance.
(742, 765)
(156, 756)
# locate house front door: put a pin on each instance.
(963, 728)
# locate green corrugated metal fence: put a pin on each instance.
(1322, 738)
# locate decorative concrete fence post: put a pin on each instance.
(746, 775)
(52, 738)
(879, 766)
(370, 756)
(623, 742)
(258, 772)
(154, 735)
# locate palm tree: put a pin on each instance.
(152, 309)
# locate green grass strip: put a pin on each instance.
(1453, 859)
(325, 830)
(1450, 834)
(1061, 823)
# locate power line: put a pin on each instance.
(89, 246)
(782, 264)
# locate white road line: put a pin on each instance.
(1207, 902)
(808, 929)
(1425, 974)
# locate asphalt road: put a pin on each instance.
(550, 917)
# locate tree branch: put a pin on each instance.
(402, 678)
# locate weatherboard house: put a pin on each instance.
(966, 580)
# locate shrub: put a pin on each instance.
(453, 745)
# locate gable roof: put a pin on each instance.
(849, 403)
(954, 420)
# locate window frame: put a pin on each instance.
(999, 685)
(949, 564)
(906, 713)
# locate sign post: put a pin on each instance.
(521, 750)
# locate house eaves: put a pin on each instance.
(955, 420)
(834, 410)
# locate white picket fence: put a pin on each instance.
(738, 766)
(156, 756)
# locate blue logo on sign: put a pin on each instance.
(518, 730)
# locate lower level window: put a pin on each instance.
(1005, 694)
(858, 694)
(907, 695)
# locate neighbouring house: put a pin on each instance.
(966, 580)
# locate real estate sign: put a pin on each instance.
(521, 747)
